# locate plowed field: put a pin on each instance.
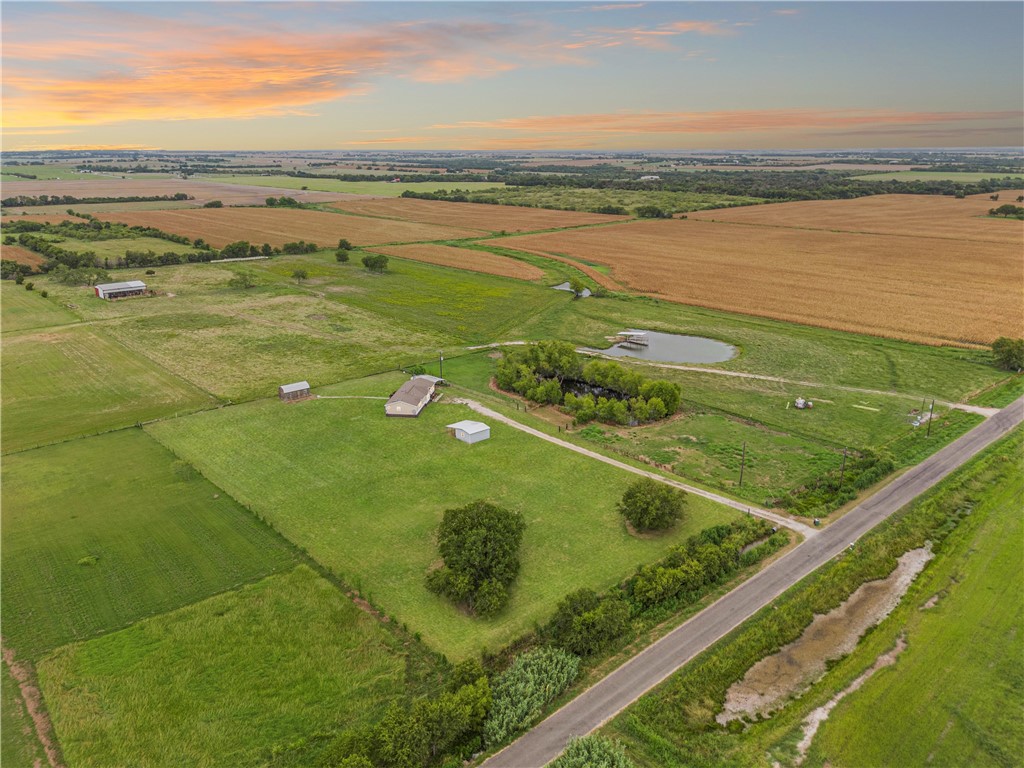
(220, 226)
(21, 255)
(926, 289)
(490, 218)
(908, 215)
(464, 258)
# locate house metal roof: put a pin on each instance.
(130, 285)
(296, 387)
(428, 377)
(412, 392)
(469, 427)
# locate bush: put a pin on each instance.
(533, 680)
(213, 204)
(29, 286)
(585, 623)
(1008, 354)
(341, 256)
(479, 544)
(593, 752)
(652, 506)
(375, 262)
(44, 293)
(150, 271)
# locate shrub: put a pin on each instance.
(1008, 354)
(213, 204)
(375, 262)
(652, 506)
(150, 271)
(29, 286)
(593, 752)
(44, 293)
(585, 623)
(341, 256)
(533, 680)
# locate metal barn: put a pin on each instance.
(297, 391)
(469, 431)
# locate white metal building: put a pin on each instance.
(469, 431)
(296, 391)
(120, 290)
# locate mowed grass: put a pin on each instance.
(103, 531)
(68, 382)
(364, 493)
(374, 188)
(222, 682)
(27, 309)
(956, 694)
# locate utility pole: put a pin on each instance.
(743, 462)
(931, 414)
(440, 364)
(842, 469)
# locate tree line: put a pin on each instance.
(25, 201)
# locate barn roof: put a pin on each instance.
(412, 392)
(296, 387)
(469, 427)
(130, 285)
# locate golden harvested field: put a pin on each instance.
(907, 215)
(277, 226)
(931, 290)
(489, 218)
(465, 258)
(21, 255)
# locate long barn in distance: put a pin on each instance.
(120, 290)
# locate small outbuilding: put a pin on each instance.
(469, 431)
(410, 398)
(120, 290)
(297, 391)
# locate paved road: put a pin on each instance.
(618, 690)
(774, 517)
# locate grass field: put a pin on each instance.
(161, 537)
(277, 226)
(112, 249)
(364, 493)
(489, 218)
(152, 205)
(374, 188)
(68, 382)
(955, 693)
(23, 309)
(19, 746)
(576, 199)
(964, 177)
(223, 681)
(464, 258)
(921, 289)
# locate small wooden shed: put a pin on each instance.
(469, 431)
(297, 391)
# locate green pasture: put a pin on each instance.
(103, 531)
(19, 746)
(582, 199)
(22, 310)
(364, 493)
(374, 188)
(954, 694)
(224, 681)
(112, 249)
(67, 382)
(964, 177)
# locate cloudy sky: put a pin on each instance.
(509, 75)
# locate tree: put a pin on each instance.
(341, 256)
(1009, 209)
(266, 250)
(244, 278)
(344, 245)
(1008, 353)
(652, 506)
(651, 212)
(271, 202)
(213, 204)
(236, 250)
(375, 262)
(577, 286)
(299, 275)
(585, 623)
(479, 544)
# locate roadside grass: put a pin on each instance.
(75, 381)
(579, 199)
(964, 177)
(23, 309)
(224, 681)
(955, 695)
(363, 494)
(378, 188)
(972, 639)
(19, 745)
(786, 350)
(1002, 395)
(106, 530)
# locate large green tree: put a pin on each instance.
(1008, 353)
(652, 506)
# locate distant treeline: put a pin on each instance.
(25, 201)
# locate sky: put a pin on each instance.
(511, 76)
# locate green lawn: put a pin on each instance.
(964, 177)
(956, 694)
(364, 493)
(160, 539)
(376, 188)
(27, 309)
(19, 747)
(222, 682)
(69, 382)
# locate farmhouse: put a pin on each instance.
(120, 290)
(411, 398)
(469, 431)
(297, 391)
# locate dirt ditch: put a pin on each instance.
(773, 680)
(24, 676)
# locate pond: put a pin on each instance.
(674, 348)
(565, 287)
